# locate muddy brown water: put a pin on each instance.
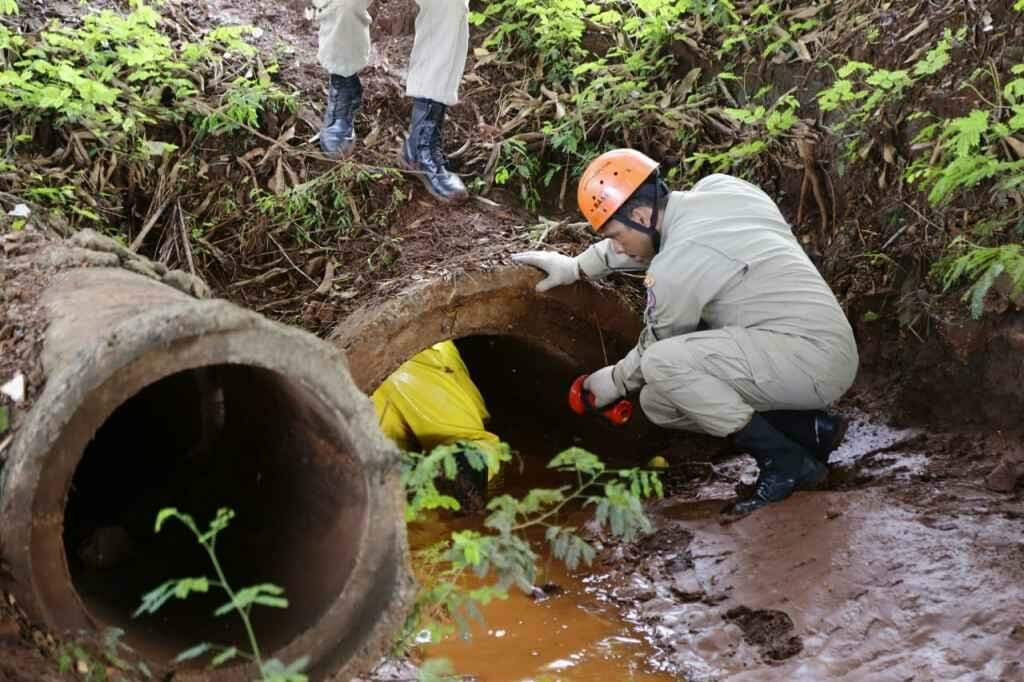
(577, 633)
(572, 633)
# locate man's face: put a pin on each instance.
(625, 239)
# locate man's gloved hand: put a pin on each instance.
(560, 269)
(601, 385)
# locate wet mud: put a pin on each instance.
(566, 630)
(904, 567)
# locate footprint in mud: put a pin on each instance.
(770, 631)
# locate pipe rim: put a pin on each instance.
(58, 603)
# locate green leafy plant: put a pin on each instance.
(111, 84)
(763, 32)
(981, 266)
(518, 165)
(244, 102)
(969, 147)
(502, 550)
(762, 129)
(323, 205)
(240, 601)
(864, 89)
(91, 660)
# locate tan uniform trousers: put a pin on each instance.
(713, 381)
(438, 52)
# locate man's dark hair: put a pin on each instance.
(643, 197)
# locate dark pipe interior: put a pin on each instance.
(526, 390)
(223, 436)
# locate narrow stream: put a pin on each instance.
(572, 634)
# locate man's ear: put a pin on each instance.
(641, 214)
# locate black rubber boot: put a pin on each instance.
(785, 465)
(422, 153)
(817, 430)
(338, 136)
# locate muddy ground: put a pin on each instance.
(904, 568)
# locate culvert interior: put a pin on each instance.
(232, 436)
(526, 389)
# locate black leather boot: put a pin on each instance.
(338, 136)
(422, 153)
(785, 465)
(817, 430)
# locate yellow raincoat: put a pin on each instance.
(430, 400)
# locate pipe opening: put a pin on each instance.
(221, 436)
(525, 386)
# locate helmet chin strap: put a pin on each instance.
(646, 229)
(650, 230)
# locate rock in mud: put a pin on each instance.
(686, 587)
(769, 630)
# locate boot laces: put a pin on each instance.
(342, 100)
(429, 140)
(436, 149)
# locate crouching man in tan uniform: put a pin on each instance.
(779, 348)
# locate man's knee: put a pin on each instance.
(657, 406)
(667, 361)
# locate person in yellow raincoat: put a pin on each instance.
(431, 400)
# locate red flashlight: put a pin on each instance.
(581, 401)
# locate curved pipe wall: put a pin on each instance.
(157, 399)
(582, 326)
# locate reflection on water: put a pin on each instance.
(573, 634)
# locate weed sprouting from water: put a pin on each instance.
(501, 552)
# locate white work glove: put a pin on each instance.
(601, 385)
(560, 269)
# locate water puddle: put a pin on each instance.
(569, 632)
(573, 635)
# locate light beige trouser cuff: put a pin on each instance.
(713, 381)
(438, 53)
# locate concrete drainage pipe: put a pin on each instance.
(157, 399)
(579, 328)
(522, 349)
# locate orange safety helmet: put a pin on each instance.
(609, 181)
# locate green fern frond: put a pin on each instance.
(964, 134)
(982, 266)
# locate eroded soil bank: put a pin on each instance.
(906, 568)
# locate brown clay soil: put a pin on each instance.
(904, 568)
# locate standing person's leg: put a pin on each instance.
(344, 49)
(716, 382)
(435, 71)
